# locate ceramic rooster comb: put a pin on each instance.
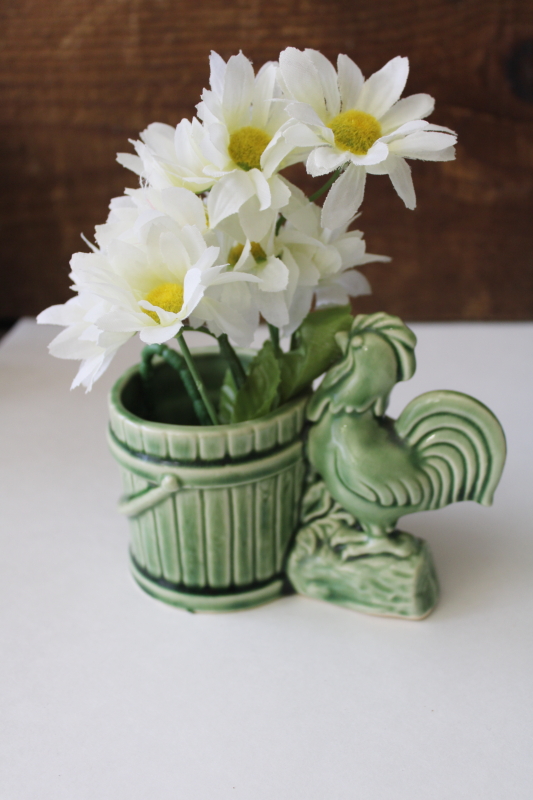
(370, 470)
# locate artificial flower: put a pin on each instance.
(130, 215)
(154, 285)
(236, 151)
(82, 340)
(355, 125)
(325, 260)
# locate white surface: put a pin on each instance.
(107, 693)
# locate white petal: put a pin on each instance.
(355, 283)
(384, 87)
(262, 95)
(68, 344)
(174, 254)
(166, 318)
(239, 327)
(121, 321)
(57, 315)
(351, 249)
(371, 258)
(448, 154)
(303, 112)
(130, 161)
(299, 309)
(400, 175)
(160, 333)
(89, 370)
(238, 91)
(234, 277)
(350, 82)
(302, 80)
(274, 154)
(192, 289)
(403, 130)
(415, 145)
(274, 276)
(273, 308)
(416, 106)
(331, 294)
(182, 205)
(228, 195)
(378, 152)
(344, 198)
(218, 72)
(207, 259)
(328, 78)
(280, 192)
(299, 135)
(256, 223)
(323, 160)
(262, 188)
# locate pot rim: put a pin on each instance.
(115, 399)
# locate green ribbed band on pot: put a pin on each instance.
(218, 519)
(197, 443)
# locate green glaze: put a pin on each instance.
(445, 447)
(212, 509)
(334, 560)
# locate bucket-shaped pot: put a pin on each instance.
(212, 509)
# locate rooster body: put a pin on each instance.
(444, 447)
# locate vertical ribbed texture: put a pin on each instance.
(218, 521)
(190, 517)
(149, 542)
(165, 518)
(218, 537)
(243, 534)
(265, 514)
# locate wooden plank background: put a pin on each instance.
(80, 77)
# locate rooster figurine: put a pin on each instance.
(444, 447)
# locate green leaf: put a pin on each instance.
(228, 395)
(315, 349)
(259, 393)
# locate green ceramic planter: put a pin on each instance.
(212, 510)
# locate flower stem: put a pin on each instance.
(227, 351)
(326, 186)
(234, 363)
(274, 337)
(177, 363)
(195, 375)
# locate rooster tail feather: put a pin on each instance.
(458, 443)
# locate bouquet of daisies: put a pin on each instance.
(215, 237)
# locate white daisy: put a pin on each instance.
(130, 215)
(325, 259)
(168, 156)
(358, 126)
(260, 260)
(236, 152)
(154, 285)
(82, 340)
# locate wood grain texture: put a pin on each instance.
(79, 77)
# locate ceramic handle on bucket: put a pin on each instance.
(136, 504)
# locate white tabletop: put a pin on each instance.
(109, 694)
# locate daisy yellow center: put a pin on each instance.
(168, 296)
(355, 131)
(246, 146)
(236, 252)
